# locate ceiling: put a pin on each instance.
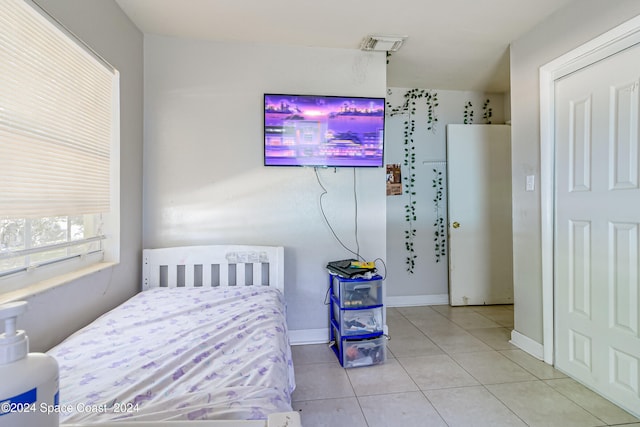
(452, 44)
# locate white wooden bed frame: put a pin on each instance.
(231, 265)
(218, 265)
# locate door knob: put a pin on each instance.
(456, 224)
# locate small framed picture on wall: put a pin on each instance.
(394, 180)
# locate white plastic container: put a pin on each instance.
(28, 381)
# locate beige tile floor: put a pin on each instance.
(446, 367)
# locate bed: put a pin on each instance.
(205, 343)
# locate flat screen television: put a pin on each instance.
(324, 131)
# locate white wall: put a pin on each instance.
(429, 282)
(56, 313)
(567, 29)
(204, 179)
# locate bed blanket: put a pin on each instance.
(180, 353)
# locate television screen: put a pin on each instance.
(333, 131)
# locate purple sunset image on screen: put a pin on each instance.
(326, 131)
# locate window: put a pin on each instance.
(59, 150)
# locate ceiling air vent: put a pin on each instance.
(382, 43)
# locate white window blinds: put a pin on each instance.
(56, 120)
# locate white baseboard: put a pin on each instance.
(309, 336)
(528, 345)
(416, 300)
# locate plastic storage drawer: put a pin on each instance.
(357, 322)
(354, 353)
(356, 293)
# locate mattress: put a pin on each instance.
(180, 354)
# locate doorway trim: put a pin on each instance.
(613, 41)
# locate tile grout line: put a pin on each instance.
(527, 370)
(422, 332)
(578, 404)
(484, 386)
(353, 389)
(435, 408)
(414, 382)
(469, 373)
(504, 404)
(402, 366)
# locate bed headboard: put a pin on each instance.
(212, 266)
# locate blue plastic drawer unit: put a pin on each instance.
(356, 321)
(357, 293)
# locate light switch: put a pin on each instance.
(531, 183)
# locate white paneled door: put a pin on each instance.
(479, 205)
(597, 222)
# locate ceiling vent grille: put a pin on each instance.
(382, 43)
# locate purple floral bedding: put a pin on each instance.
(180, 353)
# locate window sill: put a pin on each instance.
(54, 282)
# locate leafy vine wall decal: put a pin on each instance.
(487, 112)
(468, 113)
(408, 109)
